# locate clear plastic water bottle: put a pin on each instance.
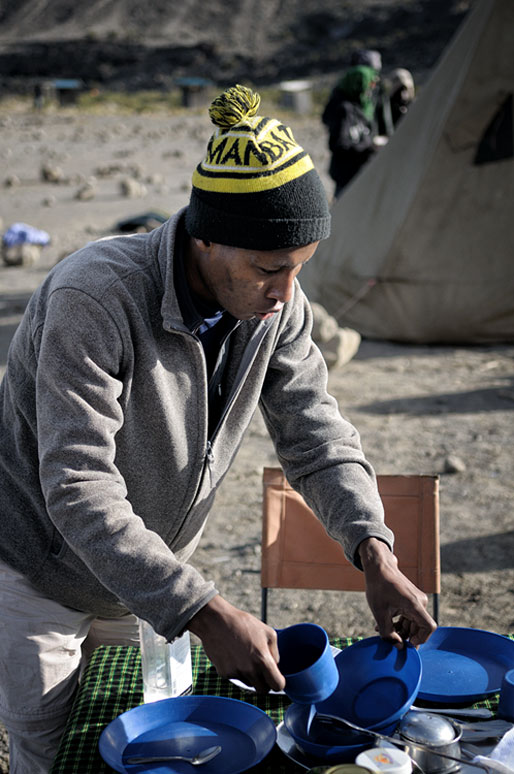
(166, 666)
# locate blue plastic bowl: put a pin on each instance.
(377, 683)
(327, 742)
(377, 686)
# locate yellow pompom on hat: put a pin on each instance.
(256, 188)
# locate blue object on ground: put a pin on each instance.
(21, 233)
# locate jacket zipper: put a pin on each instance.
(212, 386)
(246, 361)
(244, 366)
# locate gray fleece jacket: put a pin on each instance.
(107, 472)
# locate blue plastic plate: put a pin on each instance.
(463, 665)
(184, 726)
(377, 683)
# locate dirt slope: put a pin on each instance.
(263, 41)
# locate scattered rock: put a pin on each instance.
(132, 188)
(12, 181)
(341, 348)
(325, 326)
(337, 345)
(454, 464)
(25, 254)
(52, 173)
(137, 171)
(86, 192)
(109, 170)
(155, 179)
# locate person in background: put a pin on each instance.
(399, 86)
(130, 383)
(349, 116)
(383, 119)
(368, 58)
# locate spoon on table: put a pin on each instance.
(480, 732)
(480, 713)
(202, 757)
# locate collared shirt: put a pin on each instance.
(213, 326)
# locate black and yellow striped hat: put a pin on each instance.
(256, 188)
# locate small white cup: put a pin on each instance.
(385, 760)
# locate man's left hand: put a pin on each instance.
(399, 607)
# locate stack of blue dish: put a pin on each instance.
(377, 685)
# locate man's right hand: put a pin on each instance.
(239, 645)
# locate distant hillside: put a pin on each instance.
(147, 44)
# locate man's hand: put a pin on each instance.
(398, 606)
(239, 645)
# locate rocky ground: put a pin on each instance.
(127, 44)
(420, 409)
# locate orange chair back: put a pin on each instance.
(298, 553)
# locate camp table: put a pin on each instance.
(112, 684)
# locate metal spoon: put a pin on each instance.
(481, 713)
(479, 732)
(202, 757)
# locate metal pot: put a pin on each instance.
(439, 734)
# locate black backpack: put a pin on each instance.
(351, 130)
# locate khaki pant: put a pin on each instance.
(43, 647)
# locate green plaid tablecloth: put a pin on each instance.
(112, 684)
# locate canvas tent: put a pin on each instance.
(422, 245)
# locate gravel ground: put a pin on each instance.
(417, 407)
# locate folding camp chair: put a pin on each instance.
(297, 553)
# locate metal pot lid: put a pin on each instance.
(426, 728)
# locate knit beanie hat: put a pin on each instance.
(256, 188)
(367, 57)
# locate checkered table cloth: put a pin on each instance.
(112, 684)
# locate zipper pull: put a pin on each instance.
(209, 455)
